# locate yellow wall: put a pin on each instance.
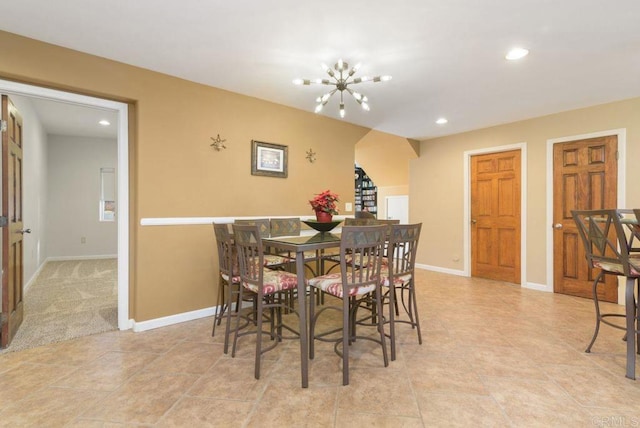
(436, 178)
(174, 171)
(385, 158)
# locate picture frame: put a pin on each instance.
(269, 159)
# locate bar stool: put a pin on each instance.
(610, 249)
(398, 277)
(228, 283)
(267, 284)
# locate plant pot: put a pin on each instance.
(323, 217)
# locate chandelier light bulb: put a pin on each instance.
(341, 79)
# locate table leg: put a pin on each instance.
(302, 312)
(631, 328)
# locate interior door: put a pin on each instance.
(495, 216)
(585, 175)
(398, 208)
(12, 233)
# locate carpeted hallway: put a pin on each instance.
(69, 299)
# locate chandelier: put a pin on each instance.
(342, 78)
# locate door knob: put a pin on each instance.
(23, 231)
(474, 221)
(557, 226)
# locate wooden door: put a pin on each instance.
(585, 174)
(12, 233)
(495, 216)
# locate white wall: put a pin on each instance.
(34, 181)
(74, 193)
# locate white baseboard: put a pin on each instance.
(174, 319)
(34, 276)
(537, 287)
(64, 258)
(440, 269)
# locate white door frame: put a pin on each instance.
(622, 150)
(123, 176)
(466, 218)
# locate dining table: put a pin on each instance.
(300, 244)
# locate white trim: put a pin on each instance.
(180, 221)
(621, 133)
(123, 176)
(173, 319)
(456, 272)
(537, 287)
(96, 257)
(466, 218)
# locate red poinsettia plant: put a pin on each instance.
(326, 202)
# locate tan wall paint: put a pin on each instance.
(174, 172)
(436, 178)
(385, 158)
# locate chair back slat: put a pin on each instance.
(605, 242)
(402, 248)
(364, 245)
(262, 223)
(285, 226)
(250, 253)
(227, 257)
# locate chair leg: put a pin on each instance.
(220, 303)
(259, 337)
(414, 305)
(378, 297)
(597, 305)
(392, 325)
(631, 328)
(346, 339)
(312, 322)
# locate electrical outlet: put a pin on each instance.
(348, 206)
(83, 240)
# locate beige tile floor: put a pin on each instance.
(493, 355)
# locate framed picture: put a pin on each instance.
(268, 159)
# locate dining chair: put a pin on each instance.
(267, 284)
(352, 287)
(398, 278)
(271, 261)
(228, 299)
(613, 250)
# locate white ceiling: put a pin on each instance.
(71, 119)
(446, 57)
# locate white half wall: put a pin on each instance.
(73, 226)
(34, 187)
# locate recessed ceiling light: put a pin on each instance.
(104, 122)
(517, 53)
(442, 121)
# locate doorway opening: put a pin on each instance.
(122, 219)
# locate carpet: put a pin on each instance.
(68, 299)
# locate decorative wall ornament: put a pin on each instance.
(218, 143)
(311, 156)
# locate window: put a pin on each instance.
(107, 194)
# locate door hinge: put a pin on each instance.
(3, 125)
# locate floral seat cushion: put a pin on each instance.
(332, 284)
(271, 260)
(275, 281)
(634, 266)
(234, 280)
(398, 281)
